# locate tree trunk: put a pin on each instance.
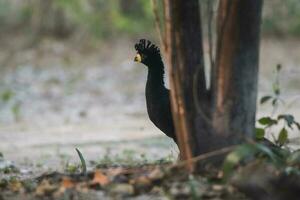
(208, 119)
(235, 79)
(185, 55)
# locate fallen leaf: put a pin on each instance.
(157, 190)
(123, 189)
(100, 178)
(115, 171)
(45, 188)
(16, 186)
(82, 187)
(156, 174)
(141, 181)
(67, 183)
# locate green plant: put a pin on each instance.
(71, 168)
(7, 95)
(285, 160)
(283, 122)
(7, 98)
(248, 152)
(82, 160)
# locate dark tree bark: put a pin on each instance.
(208, 119)
(235, 79)
(187, 77)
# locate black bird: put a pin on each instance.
(157, 95)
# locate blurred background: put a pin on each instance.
(67, 77)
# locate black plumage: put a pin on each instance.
(157, 95)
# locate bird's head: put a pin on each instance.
(146, 52)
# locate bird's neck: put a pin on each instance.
(155, 79)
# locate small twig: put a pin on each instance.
(206, 155)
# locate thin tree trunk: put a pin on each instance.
(185, 55)
(179, 117)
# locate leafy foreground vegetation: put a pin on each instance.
(250, 171)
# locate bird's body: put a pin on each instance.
(158, 103)
(157, 95)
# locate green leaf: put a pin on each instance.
(292, 171)
(259, 133)
(268, 152)
(267, 121)
(265, 99)
(290, 120)
(70, 168)
(82, 160)
(298, 125)
(235, 157)
(283, 136)
(7, 95)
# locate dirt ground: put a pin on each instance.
(56, 97)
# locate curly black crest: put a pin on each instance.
(146, 47)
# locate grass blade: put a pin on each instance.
(82, 160)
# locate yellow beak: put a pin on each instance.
(138, 58)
